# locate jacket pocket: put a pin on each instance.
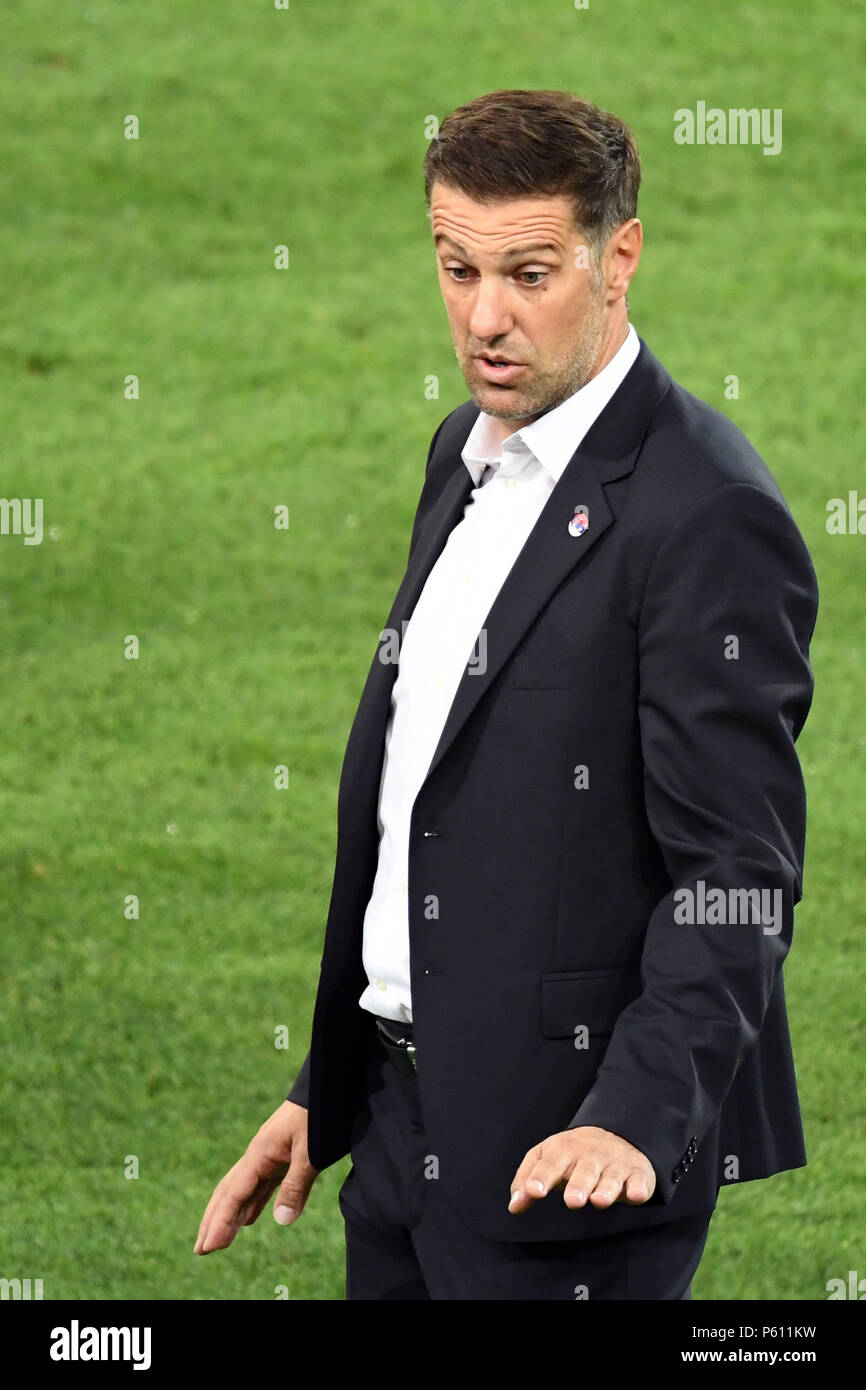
(535, 668)
(593, 999)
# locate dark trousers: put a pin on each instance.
(403, 1241)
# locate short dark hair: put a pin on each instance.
(514, 143)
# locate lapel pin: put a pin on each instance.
(580, 521)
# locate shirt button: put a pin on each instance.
(380, 984)
(404, 886)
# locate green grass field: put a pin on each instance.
(305, 387)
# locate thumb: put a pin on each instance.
(293, 1191)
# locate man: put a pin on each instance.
(550, 1019)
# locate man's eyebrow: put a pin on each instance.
(507, 255)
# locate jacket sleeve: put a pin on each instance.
(725, 686)
(300, 1092)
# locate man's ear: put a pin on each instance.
(621, 257)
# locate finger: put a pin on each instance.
(528, 1163)
(294, 1190)
(609, 1186)
(202, 1227)
(259, 1200)
(221, 1221)
(223, 1216)
(252, 1209)
(518, 1201)
(204, 1224)
(638, 1189)
(533, 1181)
(584, 1176)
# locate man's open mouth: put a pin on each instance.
(496, 367)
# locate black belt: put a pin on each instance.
(397, 1040)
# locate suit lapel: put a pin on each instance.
(362, 764)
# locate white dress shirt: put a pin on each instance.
(513, 481)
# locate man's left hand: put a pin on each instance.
(591, 1164)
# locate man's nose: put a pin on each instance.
(490, 316)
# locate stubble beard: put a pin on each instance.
(543, 393)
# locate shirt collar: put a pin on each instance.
(554, 436)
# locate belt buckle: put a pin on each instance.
(402, 1051)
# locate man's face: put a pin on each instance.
(517, 278)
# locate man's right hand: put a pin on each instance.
(276, 1157)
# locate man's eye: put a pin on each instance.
(459, 273)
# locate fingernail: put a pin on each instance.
(538, 1185)
(514, 1197)
(285, 1215)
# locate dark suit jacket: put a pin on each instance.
(557, 910)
